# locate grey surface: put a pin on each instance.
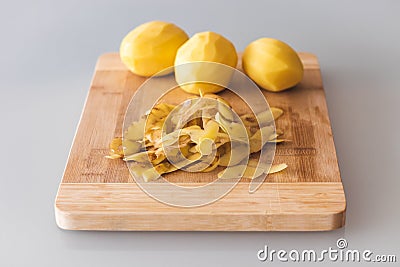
(49, 49)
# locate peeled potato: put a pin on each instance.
(272, 64)
(207, 78)
(151, 48)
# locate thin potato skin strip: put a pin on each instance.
(276, 112)
(277, 168)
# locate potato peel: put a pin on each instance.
(144, 142)
(277, 168)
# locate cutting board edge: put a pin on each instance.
(71, 209)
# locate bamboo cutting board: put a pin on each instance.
(99, 194)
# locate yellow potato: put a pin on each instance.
(207, 78)
(272, 64)
(151, 48)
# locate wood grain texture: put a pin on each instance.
(274, 207)
(98, 194)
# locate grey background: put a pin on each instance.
(48, 52)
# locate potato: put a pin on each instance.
(272, 64)
(151, 48)
(205, 77)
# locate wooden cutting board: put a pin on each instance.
(99, 194)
